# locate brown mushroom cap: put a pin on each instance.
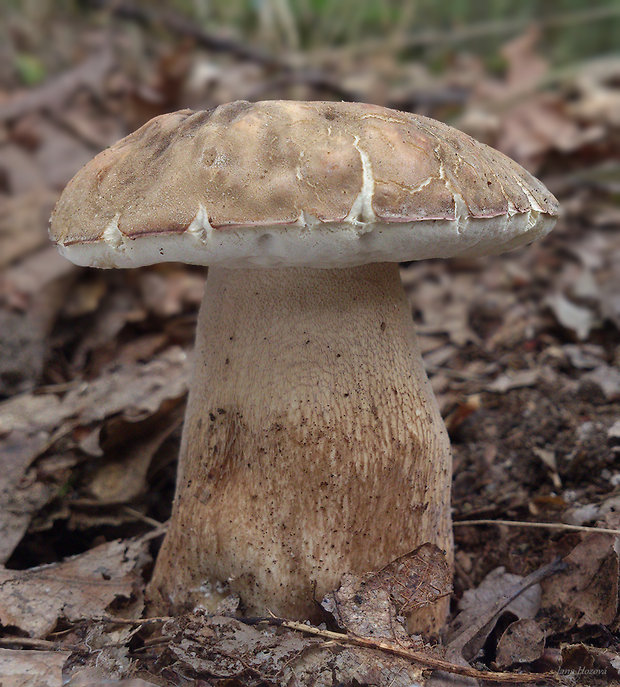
(280, 183)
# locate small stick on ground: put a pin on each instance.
(132, 621)
(424, 659)
(27, 642)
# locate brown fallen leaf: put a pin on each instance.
(32, 668)
(365, 610)
(123, 479)
(584, 356)
(18, 452)
(429, 658)
(353, 666)
(226, 648)
(525, 66)
(614, 432)
(30, 425)
(82, 586)
(134, 391)
(588, 665)
(586, 592)
(416, 579)
(522, 642)
(514, 380)
(168, 289)
(577, 318)
(94, 677)
(596, 97)
(590, 512)
(606, 378)
(368, 605)
(32, 293)
(21, 493)
(23, 223)
(480, 608)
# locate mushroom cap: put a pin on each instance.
(286, 183)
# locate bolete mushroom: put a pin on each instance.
(313, 444)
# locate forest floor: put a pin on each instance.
(523, 352)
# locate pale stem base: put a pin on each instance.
(312, 446)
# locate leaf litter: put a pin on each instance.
(522, 351)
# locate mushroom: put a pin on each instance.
(313, 445)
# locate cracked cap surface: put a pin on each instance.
(279, 183)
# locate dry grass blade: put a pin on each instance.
(540, 525)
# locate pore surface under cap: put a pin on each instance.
(281, 183)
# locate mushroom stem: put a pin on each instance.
(313, 445)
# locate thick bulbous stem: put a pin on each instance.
(313, 445)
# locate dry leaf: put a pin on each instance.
(513, 380)
(23, 223)
(166, 291)
(30, 424)
(494, 586)
(525, 65)
(80, 587)
(20, 497)
(591, 512)
(574, 317)
(347, 665)
(590, 666)
(365, 610)
(499, 592)
(25, 668)
(124, 478)
(93, 677)
(416, 579)
(584, 356)
(597, 98)
(32, 294)
(133, 391)
(586, 592)
(607, 379)
(218, 647)
(225, 648)
(522, 641)
(368, 605)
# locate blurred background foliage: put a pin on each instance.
(574, 30)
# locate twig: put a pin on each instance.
(454, 374)
(470, 626)
(150, 644)
(59, 388)
(79, 129)
(29, 642)
(424, 659)
(40, 645)
(55, 92)
(539, 525)
(132, 621)
(179, 24)
(144, 518)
